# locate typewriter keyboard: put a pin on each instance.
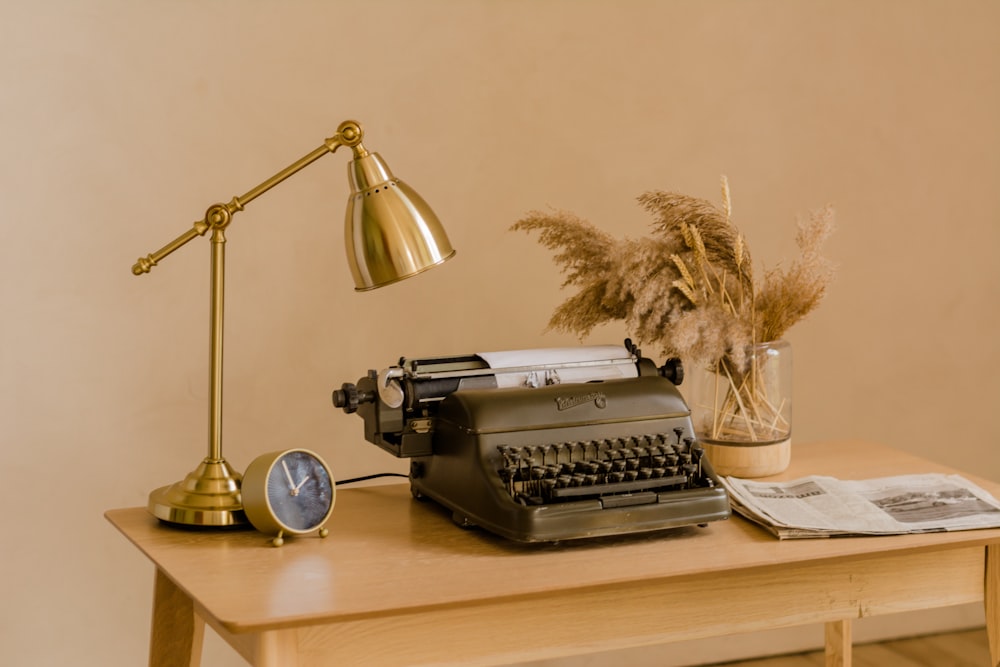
(609, 469)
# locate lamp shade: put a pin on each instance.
(390, 232)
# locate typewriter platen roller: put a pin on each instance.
(544, 445)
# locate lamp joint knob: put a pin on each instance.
(218, 216)
(349, 133)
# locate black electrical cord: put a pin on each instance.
(354, 480)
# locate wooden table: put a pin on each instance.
(397, 583)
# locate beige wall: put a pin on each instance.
(121, 121)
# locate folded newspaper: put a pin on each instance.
(818, 506)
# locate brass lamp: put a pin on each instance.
(390, 234)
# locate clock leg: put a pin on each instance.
(323, 532)
(278, 539)
(177, 631)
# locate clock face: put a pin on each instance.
(300, 491)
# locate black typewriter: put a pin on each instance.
(544, 445)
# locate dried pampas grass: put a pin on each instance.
(689, 287)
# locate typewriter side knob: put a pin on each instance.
(346, 397)
(349, 397)
(673, 370)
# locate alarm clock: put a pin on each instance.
(289, 492)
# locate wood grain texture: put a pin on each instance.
(838, 643)
(966, 648)
(647, 613)
(992, 601)
(749, 460)
(277, 648)
(398, 581)
(177, 632)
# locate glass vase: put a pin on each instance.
(742, 410)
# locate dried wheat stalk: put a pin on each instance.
(689, 288)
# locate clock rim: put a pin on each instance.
(273, 523)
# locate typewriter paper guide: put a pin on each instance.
(587, 363)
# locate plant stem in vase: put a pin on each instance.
(743, 412)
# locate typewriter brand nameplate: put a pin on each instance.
(598, 398)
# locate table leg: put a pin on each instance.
(838, 643)
(177, 631)
(277, 648)
(991, 597)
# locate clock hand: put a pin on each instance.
(296, 489)
(288, 474)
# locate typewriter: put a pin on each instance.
(544, 445)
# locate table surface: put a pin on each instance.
(388, 553)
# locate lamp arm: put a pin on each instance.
(218, 216)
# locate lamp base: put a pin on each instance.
(208, 496)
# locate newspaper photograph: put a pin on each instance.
(819, 506)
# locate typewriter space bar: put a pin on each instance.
(609, 488)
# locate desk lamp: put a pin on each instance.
(390, 234)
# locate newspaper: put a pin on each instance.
(819, 506)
